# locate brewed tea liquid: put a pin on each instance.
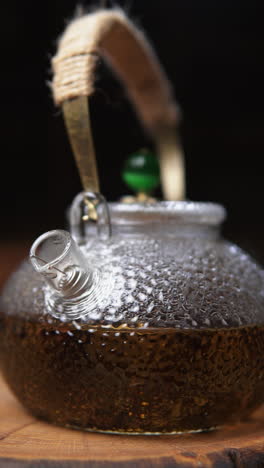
(133, 380)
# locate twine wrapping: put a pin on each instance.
(110, 34)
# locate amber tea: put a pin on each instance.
(133, 380)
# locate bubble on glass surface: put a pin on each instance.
(142, 297)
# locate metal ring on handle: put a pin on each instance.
(89, 209)
(110, 34)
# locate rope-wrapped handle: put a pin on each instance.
(110, 34)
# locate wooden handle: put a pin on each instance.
(110, 34)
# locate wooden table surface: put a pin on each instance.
(26, 442)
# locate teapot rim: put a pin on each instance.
(208, 213)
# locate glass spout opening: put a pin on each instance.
(57, 257)
(49, 249)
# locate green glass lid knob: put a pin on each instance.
(141, 172)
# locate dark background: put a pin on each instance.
(212, 52)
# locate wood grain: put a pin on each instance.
(26, 442)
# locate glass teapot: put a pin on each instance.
(141, 319)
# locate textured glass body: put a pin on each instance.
(170, 339)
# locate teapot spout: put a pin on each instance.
(57, 257)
